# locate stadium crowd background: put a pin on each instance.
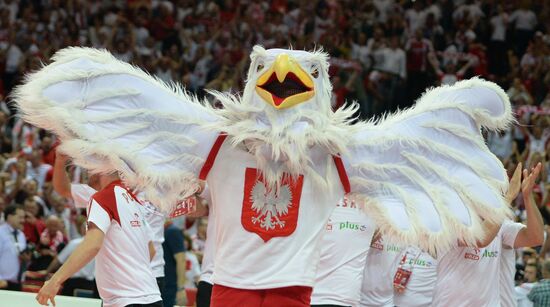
(384, 54)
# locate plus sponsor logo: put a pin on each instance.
(351, 226)
(489, 254)
(420, 262)
(393, 248)
(477, 254)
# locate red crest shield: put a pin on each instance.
(269, 213)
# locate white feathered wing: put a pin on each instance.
(110, 116)
(425, 174)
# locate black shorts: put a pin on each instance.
(204, 292)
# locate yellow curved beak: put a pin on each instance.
(285, 67)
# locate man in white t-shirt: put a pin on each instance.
(344, 249)
(118, 237)
(419, 288)
(522, 290)
(462, 272)
(81, 194)
(529, 236)
(382, 261)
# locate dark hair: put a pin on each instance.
(11, 210)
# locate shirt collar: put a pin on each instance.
(9, 228)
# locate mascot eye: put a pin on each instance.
(259, 67)
(314, 71)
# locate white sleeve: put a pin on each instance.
(509, 231)
(67, 251)
(81, 194)
(99, 216)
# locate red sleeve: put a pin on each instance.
(107, 200)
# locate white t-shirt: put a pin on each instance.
(13, 58)
(499, 27)
(419, 291)
(155, 219)
(39, 173)
(377, 287)
(521, 293)
(123, 271)
(383, 7)
(279, 249)
(395, 62)
(415, 19)
(343, 256)
(524, 19)
(207, 265)
(508, 271)
(461, 273)
(81, 194)
(87, 271)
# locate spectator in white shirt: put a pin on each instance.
(521, 291)
(525, 21)
(395, 61)
(12, 243)
(38, 170)
(498, 59)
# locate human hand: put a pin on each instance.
(529, 179)
(515, 184)
(181, 298)
(48, 292)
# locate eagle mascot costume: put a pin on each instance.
(276, 158)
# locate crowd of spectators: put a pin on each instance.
(384, 54)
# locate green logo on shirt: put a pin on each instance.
(489, 254)
(351, 226)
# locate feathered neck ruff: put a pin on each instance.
(282, 140)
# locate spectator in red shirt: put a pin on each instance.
(417, 49)
(33, 225)
(52, 236)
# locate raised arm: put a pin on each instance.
(60, 180)
(533, 234)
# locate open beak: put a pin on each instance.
(285, 84)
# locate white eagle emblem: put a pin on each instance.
(270, 205)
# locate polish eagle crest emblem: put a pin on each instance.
(270, 212)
